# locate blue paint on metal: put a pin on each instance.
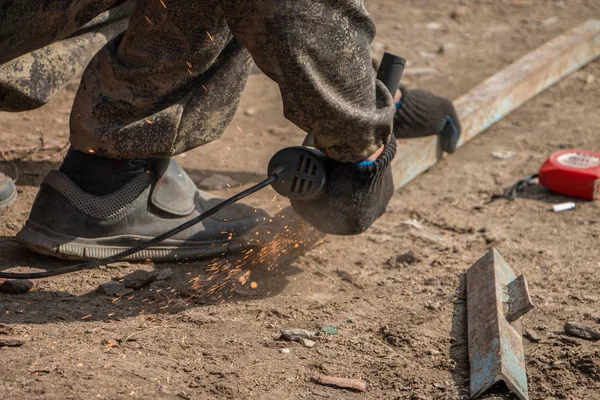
(483, 366)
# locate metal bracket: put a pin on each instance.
(496, 299)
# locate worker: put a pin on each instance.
(172, 82)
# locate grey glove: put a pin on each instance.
(421, 113)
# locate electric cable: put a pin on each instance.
(120, 256)
(512, 192)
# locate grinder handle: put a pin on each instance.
(390, 73)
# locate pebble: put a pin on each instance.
(250, 111)
(114, 289)
(291, 379)
(583, 330)
(7, 341)
(329, 329)
(217, 182)
(16, 286)
(431, 282)
(432, 352)
(164, 274)
(434, 26)
(110, 343)
(139, 278)
(504, 155)
(285, 350)
(532, 335)
(295, 335)
(307, 342)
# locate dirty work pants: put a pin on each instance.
(172, 80)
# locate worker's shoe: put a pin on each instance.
(68, 222)
(8, 191)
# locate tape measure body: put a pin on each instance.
(574, 173)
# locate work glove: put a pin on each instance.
(354, 196)
(420, 113)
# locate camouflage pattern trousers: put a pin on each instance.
(161, 77)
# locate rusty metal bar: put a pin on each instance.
(496, 299)
(502, 93)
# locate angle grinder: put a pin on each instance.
(297, 173)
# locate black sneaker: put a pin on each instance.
(67, 222)
(8, 191)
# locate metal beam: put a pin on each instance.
(496, 299)
(502, 93)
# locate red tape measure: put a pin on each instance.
(574, 173)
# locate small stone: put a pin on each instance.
(431, 282)
(504, 155)
(350, 320)
(411, 224)
(459, 12)
(7, 341)
(164, 274)
(250, 111)
(532, 335)
(590, 79)
(329, 329)
(139, 278)
(550, 21)
(110, 343)
(217, 182)
(294, 335)
(285, 350)
(583, 330)
(16, 286)
(407, 257)
(432, 352)
(114, 289)
(589, 298)
(434, 26)
(291, 379)
(307, 342)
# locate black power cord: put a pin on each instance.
(512, 192)
(119, 256)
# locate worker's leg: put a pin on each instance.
(28, 25)
(43, 46)
(30, 80)
(170, 83)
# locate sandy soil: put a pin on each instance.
(401, 327)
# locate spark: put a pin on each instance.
(205, 89)
(86, 316)
(148, 19)
(149, 122)
(189, 64)
(163, 3)
(211, 38)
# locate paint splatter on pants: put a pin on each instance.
(164, 76)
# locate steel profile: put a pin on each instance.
(496, 299)
(502, 93)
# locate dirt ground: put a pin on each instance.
(402, 327)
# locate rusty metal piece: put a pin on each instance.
(496, 299)
(502, 93)
(520, 301)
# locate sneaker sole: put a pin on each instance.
(7, 202)
(44, 241)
